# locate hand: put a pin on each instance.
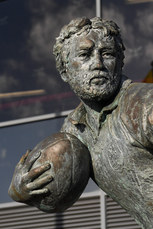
(24, 183)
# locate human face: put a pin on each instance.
(93, 69)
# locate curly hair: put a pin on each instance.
(78, 26)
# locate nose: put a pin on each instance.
(97, 62)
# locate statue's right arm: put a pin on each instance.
(24, 183)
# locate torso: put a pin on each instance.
(118, 163)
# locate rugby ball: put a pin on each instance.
(70, 168)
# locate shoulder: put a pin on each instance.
(135, 106)
(139, 90)
(137, 97)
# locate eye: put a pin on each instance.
(84, 54)
(108, 55)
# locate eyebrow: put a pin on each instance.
(104, 49)
(87, 44)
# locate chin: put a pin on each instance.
(103, 94)
(97, 92)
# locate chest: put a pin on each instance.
(111, 152)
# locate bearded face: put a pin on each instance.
(93, 69)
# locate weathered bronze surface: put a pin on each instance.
(64, 181)
(114, 121)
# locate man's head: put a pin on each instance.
(89, 56)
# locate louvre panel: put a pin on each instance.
(85, 213)
(117, 217)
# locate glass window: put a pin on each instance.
(136, 23)
(28, 75)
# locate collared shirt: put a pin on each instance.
(122, 151)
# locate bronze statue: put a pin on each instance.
(114, 121)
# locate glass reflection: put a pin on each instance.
(28, 31)
(136, 23)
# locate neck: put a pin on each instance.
(94, 109)
(92, 106)
(94, 113)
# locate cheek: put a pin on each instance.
(75, 65)
(110, 65)
(72, 68)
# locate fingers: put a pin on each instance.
(34, 173)
(30, 160)
(27, 160)
(39, 192)
(39, 183)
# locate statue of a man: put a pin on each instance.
(114, 119)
